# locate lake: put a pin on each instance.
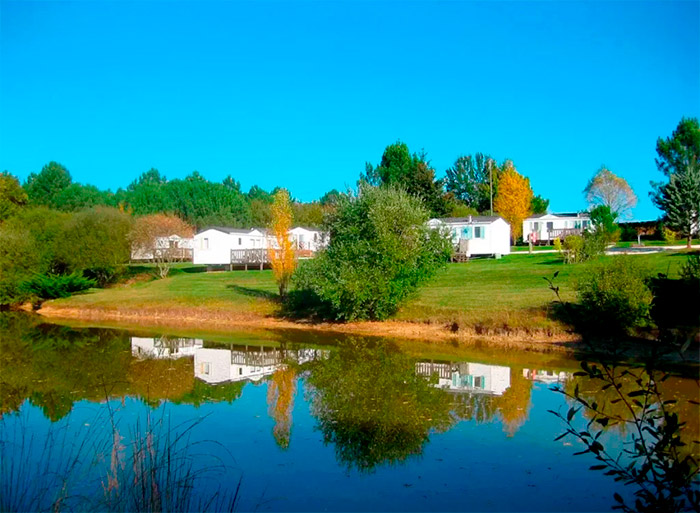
(96, 418)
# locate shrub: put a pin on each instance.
(582, 248)
(573, 244)
(557, 244)
(614, 295)
(669, 236)
(53, 286)
(380, 251)
(690, 270)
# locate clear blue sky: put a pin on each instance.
(301, 95)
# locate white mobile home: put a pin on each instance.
(174, 247)
(308, 239)
(477, 235)
(547, 227)
(213, 246)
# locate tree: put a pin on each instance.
(539, 205)
(473, 180)
(679, 160)
(330, 198)
(514, 199)
(608, 189)
(603, 220)
(12, 196)
(373, 407)
(283, 256)
(412, 172)
(151, 236)
(281, 390)
(42, 188)
(96, 241)
(77, 197)
(380, 251)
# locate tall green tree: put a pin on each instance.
(539, 205)
(679, 159)
(12, 195)
(412, 172)
(44, 187)
(471, 179)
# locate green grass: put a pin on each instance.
(510, 291)
(488, 293)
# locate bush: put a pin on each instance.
(690, 270)
(614, 295)
(582, 248)
(380, 251)
(53, 286)
(669, 236)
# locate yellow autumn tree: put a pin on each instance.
(282, 256)
(280, 400)
(514, 198)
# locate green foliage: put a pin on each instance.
(469, 181)
(380, 251)
(655, 461)
(54, 286)
(44, 187)
(603, 221)
(690, 270)
(614, 295)
(96, 239)
(12, 196)
(77, 197)
(372, 406)
(573, 244)
(679, 160)
(539, 205)
(583, 248)
(330, 198)
(412, 172)
(462, 210)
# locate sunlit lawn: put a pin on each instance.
(489, 292)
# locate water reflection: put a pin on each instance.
(351, 405)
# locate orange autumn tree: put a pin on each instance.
(514, 198)
(282, 256)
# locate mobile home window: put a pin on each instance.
(479, 232)
(240, 241)
(205, 244)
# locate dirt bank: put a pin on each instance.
(213, 320)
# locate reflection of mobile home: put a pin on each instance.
(164, 347)
(546, 376)
(467, 376)
(246, 363)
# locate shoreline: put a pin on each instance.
(211, 320)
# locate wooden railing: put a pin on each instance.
(249, 256)
(562, 233)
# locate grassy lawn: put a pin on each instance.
(237, 292)
(490, 293)
(509, 291)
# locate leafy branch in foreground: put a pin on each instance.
(657, 461)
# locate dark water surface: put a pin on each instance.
(102, 419)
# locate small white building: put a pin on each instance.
(213, 246)
(476, 235)
(308, 239)
(547, 227)
(177, 248)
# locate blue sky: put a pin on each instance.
(303, 94)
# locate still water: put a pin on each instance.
(110, 419)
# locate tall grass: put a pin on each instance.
(105, 465)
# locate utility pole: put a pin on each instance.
(491, 182)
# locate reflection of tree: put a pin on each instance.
(53, 366)
(371, 404)
(514, 404)
(154, 379)
(280, 399)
